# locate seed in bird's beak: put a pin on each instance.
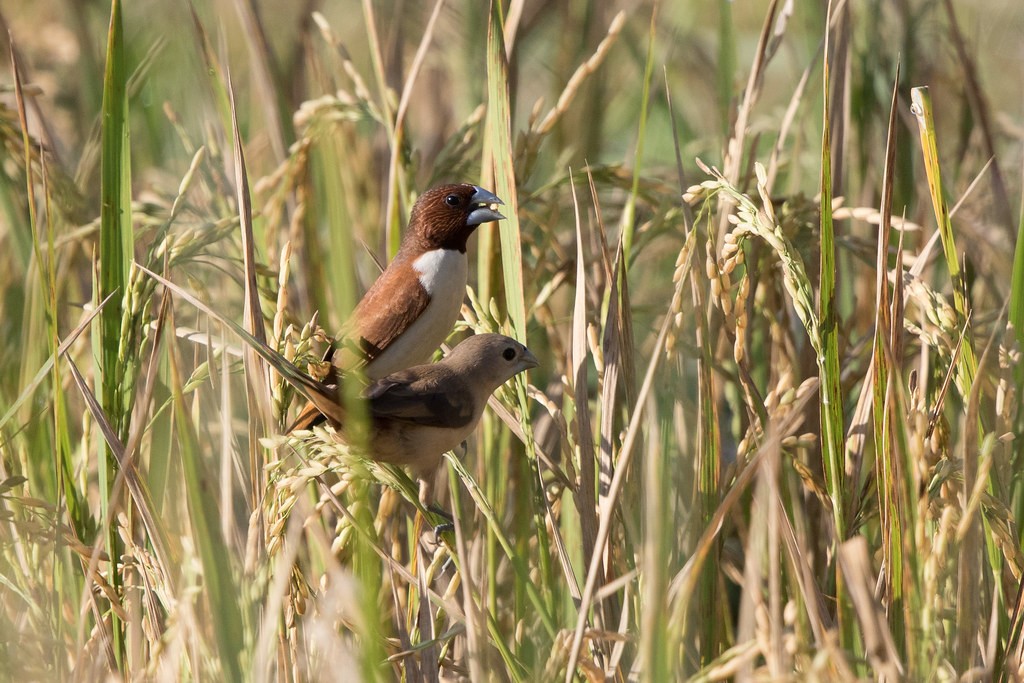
(485, 208)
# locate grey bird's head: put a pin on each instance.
(491, 359)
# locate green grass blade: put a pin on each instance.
(258, 385)
(726, 71)
(116, 249)
(628, 220)
(117, 240)
(833, 443)
(922, 109)
(48, 365)
(887, 466)
(517, 562)
(1017, 282)
(499, 139)
(832, 449)
(1016, 314)
(966, 369)
(498, 142)
(46, 268)
(223, 594)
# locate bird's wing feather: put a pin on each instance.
(434, 397)
(378, 320)
(381, 316)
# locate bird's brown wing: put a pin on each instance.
(432, 397)
(381, 316)
(377, 321)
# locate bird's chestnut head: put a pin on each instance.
(445, 216)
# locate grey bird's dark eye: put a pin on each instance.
(452, 200)
(509, 353)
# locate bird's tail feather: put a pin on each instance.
(309, 417)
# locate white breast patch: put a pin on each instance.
(442, 272)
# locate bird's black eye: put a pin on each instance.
(509, 353)
(452, 200)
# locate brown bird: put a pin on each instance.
(411, 308)
(418, 414)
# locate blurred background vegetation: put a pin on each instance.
(671, 496)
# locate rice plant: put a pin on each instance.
(770, 255)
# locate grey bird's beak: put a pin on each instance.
(482, 200)
(528, 360)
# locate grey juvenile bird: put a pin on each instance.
(420, 413)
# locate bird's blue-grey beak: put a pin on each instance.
(528, 360)
(482, 201)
